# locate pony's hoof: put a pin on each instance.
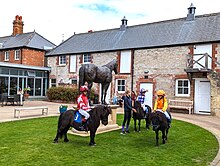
(66, 140)
(92, 144)
(55, 141)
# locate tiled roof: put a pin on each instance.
(31, 39)
(205, 28)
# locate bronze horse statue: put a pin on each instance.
(91, 73)
(67, 120)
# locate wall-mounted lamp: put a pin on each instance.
(145, 74)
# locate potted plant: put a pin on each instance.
(26, 90)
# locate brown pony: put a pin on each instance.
(66, 120)
(140, 115)
(159, 123)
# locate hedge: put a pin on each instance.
(66, 94)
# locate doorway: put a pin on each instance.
(202, 96)
(149, 93)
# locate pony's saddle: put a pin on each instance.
(78, 117)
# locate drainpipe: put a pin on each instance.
(132, 69)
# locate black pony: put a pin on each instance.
(91, 73)
(66, 120)
(140, 114)
(159, 123)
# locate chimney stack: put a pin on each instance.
(191, 13)
(18, 25)
(123, 24)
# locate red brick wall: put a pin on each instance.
(32, 57)
(27, 57)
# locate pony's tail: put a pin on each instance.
(81, 76)
(59, 130)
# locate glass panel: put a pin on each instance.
(13, 85)
(4, 70)
(179, 83)
(30, 84)
(179, 90)
(45, 85)
(39, 74)
(3, 85)
(186, 91)
(37, 87)
(53, 80)
(20, 72)
(13, 72)
(186, 83)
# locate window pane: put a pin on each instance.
(4, 71)
(186, 91)
(37, 87)
(186, 83)
(179, 91)
(13, 72)
(86, 58)
(179, 83)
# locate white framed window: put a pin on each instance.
(62, 60)
(120, 85)
(17, 54)
(86, 58)
(6, 55)
(182, 87)
(72, 63)
(125, 62)
(53, 82)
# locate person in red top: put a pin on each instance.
(83, 104)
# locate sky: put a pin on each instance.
(57, 20)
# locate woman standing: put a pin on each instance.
(127, 111)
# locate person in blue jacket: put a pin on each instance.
(127, 111)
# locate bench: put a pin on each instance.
(181, 104)
(17, 115)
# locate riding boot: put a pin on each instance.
(145, 115)
(83, 125)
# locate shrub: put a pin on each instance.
(66, 94)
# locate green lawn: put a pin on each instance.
(30, 142)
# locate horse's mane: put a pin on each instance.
(96, 111)
(111, 64)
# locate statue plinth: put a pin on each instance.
(111, 126)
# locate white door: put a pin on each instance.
(202, 96)
(202, 49)
(149, 94)
(108, 95)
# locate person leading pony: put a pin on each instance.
(161, 105)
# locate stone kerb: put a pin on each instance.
(112, 125)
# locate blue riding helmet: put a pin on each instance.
(143, 90)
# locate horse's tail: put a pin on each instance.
(81, 76)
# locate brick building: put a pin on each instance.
(179, 56)
(22, 61)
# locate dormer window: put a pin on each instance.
(17, 54)
(6, 55)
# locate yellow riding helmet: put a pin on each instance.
(160, 93)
